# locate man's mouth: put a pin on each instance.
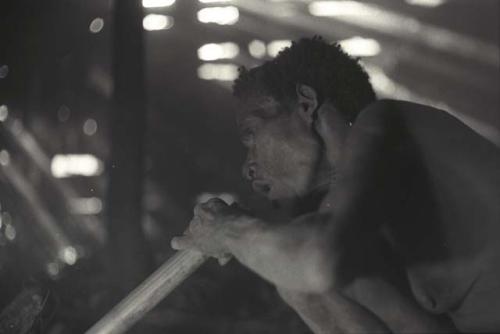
(261, 186)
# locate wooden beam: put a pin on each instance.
(149, 293)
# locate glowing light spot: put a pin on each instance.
(4, 112)
(4, 158)
(215, 51)
(214, 1)
(86, 206)
(257, 48)
(223, 72)
(90, 127)
(4, 71)
(361, 47)
(274, 47)
(219, 15)
(157, 3)
(63, 113)
(75, 164)
(152, 22)
(96, 25)
(10, 232)
(426, 3)
(53, 269)
(69, 255)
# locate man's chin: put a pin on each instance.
(275, 195)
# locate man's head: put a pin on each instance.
(280, 100)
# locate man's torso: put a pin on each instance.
(446, 229)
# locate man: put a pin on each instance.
(406, 229)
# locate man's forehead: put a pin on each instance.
(254, 103)
(256, 107)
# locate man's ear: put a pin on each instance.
(307, 100)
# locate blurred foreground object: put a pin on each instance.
(20, 315)
(147, 295)
(126, 165)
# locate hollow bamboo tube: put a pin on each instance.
(149, 293)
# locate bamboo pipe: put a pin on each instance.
(149, 293)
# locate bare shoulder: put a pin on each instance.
(387, 112)
(429, 129)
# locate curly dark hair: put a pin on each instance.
(311, 61)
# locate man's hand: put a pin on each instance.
(207, 229)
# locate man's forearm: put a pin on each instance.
(292, 256)
(333, 312)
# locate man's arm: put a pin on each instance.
(333, 312)
(304, 255)
(369, 305)
(293, 256)
(311, 253)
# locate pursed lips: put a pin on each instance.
(261, 186)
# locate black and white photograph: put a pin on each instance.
(249, 166)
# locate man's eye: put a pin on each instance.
(247, 138)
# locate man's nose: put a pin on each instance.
(249, 170)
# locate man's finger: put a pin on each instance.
(194, 225)
(180, 243)
(203, 212)
(214, 204)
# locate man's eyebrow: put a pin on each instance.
(247, 122)
(264, 105)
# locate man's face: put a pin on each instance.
(283, 154)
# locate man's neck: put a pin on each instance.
(304, 204)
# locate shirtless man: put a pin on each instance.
(405, 236)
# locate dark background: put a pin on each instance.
(133, 99)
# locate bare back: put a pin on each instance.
(447, 228)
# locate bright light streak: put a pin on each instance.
(219, 15)
(360, 47)
(4, 71)
(96, 25)
(226, 197)
(157, 3)
(274, 47)
(214, 1)
(383, 84)
(152, 22)
(75, 164)
(257, 48)
(222, 72)
(69, 255)
(370, 16)
(4, 158)
(90, 127)
(426, 3)
(86, 206)
(389, 88)
(337, 8)
(215, 51)
(4, 112)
